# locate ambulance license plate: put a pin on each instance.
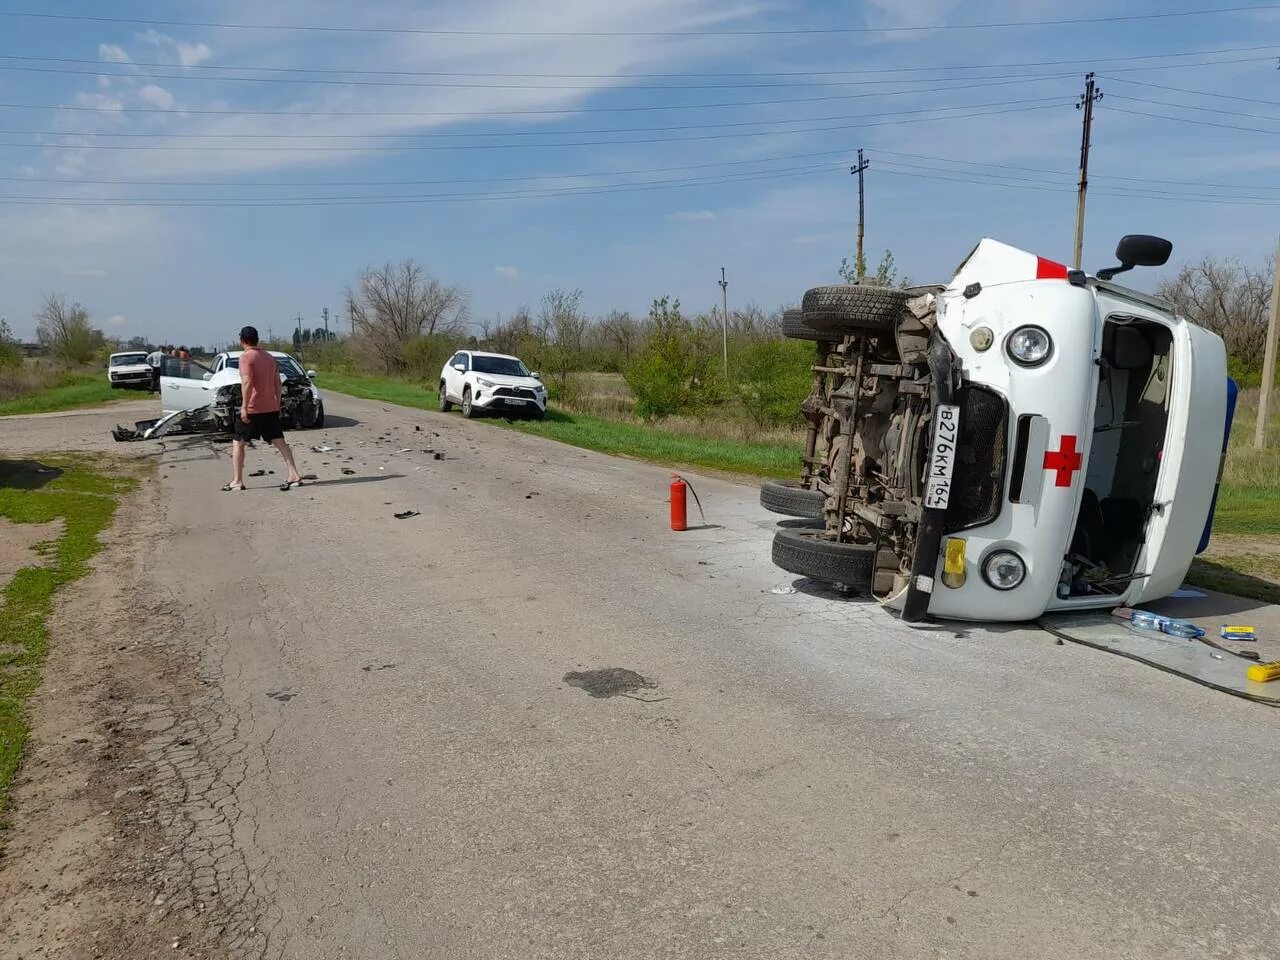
(942, 460)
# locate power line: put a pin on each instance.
(500, 133)
(104, 71)
(522, 146)
(1068, 173)
(487, 114)
(412, 183)
(1198, 93)
(596, 34)
(1126, 194)
(1219, 111)
(346, 71)
(1199, 123)
(430, 198)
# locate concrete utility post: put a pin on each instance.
(860, 263)
(1091, 96)
(724, 319)
(1269, 360)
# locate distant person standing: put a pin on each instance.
(183, 354)
(259, 410)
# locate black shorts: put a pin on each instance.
(261, 426)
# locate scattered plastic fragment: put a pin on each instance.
(347, 471)
(1230, 632)
(406, 514)
(321, 448)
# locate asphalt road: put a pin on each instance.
(390, 764)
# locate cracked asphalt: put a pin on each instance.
(386, 760)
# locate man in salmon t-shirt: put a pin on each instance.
(259, 410)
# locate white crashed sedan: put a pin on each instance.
(491, 381)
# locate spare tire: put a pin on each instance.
(794, 327)
(806, 551)
(790, 499)
(853, 308)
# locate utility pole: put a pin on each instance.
(325, 313)
(860, 263)
(1091, 96)
(1269, 360)
(724, 319)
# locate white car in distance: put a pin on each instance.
(130, 369)
(479, 382)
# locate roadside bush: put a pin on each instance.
(771, 378)
(10, 354)
(422, 357)
(676, 370)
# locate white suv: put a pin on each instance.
(491, 381)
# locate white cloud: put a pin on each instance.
(117, 320)
(153, 38)
(507, 273)
(190, 54)
(156, 96)
(691, 216)
(111, 53)
(104, 102)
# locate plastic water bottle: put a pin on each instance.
(1145, 620)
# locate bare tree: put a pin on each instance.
(1229, 298)
(64, 329)
(563, 327)
(396, 303)
(623, 334)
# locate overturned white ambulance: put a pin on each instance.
(1026, 438)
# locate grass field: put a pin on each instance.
(66, 392)
(759, 458)
(84, 496)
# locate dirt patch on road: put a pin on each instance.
(19, 543)
(87, 868)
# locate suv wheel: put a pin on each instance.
(445, 405)
(468, 410)
(853, 308)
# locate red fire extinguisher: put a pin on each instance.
(679, 511)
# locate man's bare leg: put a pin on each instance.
(237, 463)
(280, 444)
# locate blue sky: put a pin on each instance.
(970, 132)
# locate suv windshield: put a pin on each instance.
(503, 366)
(122, 359)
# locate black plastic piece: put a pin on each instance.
(972, 290)
(1077, 278)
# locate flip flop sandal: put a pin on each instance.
(228, 487)
(287, 485)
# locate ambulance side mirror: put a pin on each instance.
(1139, 250)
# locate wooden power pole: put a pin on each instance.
(1091, 96)
(724, 319)
(1269, 360)
(860, 264)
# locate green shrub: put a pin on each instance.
(770, 380)
(676, 370)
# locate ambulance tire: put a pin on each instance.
(794, 328)
(803, 551)
(853, 308)
(790, 499)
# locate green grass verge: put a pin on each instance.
(75, 390)
(1236, 575)
(85, 497)
(597, 433)
(1247, 510)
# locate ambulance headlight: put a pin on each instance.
(1004, 570)
(1029, 346)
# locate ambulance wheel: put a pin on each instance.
(790, 499)
(853, 308)
(794, 327)
(807, 552)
